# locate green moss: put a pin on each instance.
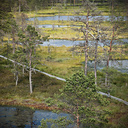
(45, 87)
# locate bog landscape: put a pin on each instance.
(64, 63)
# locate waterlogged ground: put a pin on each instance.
(68, 43)
(43, 88)
(67, 18)
(63, 64)
(121, 65)
(13, 117)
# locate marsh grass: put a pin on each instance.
(41, 85)
(45, 89)
(117, 83)
(61, 63)
(69, 32)
(69, 10)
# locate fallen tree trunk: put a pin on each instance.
(58, 78)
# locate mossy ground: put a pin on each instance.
(41, 83)
(68, 32)
(71, 30)
(61, 62)
(43, 88)
(69, 10)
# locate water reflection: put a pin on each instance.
(69, 43)
(121, 65)
(67, 18)
(13, 117)
(51, 26)
(56, 26)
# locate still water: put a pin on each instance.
(69, 43)
(55, 26)
(15, 117)
(120, 65)
(64, 18)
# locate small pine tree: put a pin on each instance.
(80, 98)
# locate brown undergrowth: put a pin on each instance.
(27, 103)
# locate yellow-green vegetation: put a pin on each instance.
(69, 31)
(63, 33)
(54, 11)
(69, 10)
(45, 87)
(117, 10)
(62, 61)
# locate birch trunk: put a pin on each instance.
(113, 34)
(86, 58)
(30, 79)
(19, 6)
(30, 71)
(17, 78)
(110, 46)
(106, 79)
(13, 45)
(15, 70)
(8, 46)
(86, 44)
(95, 69)
(23, 70)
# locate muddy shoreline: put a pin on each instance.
(27, 103)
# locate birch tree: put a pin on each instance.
(93, 31)
(99, 36)
(115, 21)
(90, 9)
(30, 39)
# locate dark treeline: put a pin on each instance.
(27, 5)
